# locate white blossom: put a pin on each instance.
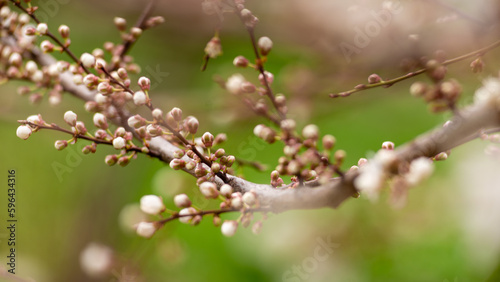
(146, 229)
(119, 143)
(185, 212)
(420, 170)
(23, 132)
(234, 82)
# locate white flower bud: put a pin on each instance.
(119, 143)
(185, 218)
(100, 63)
(15, 59)
(152, 204)
(249, 198)
(23, 132)
(60, 144)
(310, 131)
(182, 201)
(229, 228)
(70, 118)
(226, 190)
(120, 23)
(265, 45)
(157, 114)
(388, 145)
(34, 119)
(100, 99)
(236, 201)
(100, 121)
(209, 190)
(31, 67)
(37, 76)
(234, 83)
(42, 28)
(23, 18)
(140, 98)
(87, 60)
(136, 121)
(146, 229)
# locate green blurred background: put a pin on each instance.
(67, 200)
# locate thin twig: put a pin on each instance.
(390, 82)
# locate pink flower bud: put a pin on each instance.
(176, 114)
(63, 31)
(240, 61)
(213, 48)
(388, 145)
(177, 164)
(310, 131)
(144, 83)
(110, 160)
(192, 125)
(269, 78)
(61, 144)
(207, 139)
(374, 78)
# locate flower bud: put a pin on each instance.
(144, 83)
(146, 229)
(288, 124)
(119, 143)
(240, 61)
(154, 130)
(120, 23)
(388, 145)
(152, 204)
(100, 121)
(250, 198)
(374, 78)
(213, 48)
(61, 144)
(362, 162)
(136, 121)
(265, 45)
(136, 32)
(192, 125)
(87, 60)
(207, 139)
(236, 200)
(329, 142)
(441, 156)
(269, 78)
(23, 132)
(209, 190)
(185, 214)
(234, 83)
(63, 31)
(140, 98)
(418, 89)
(177, 164)
(310, 131)
(220, 153)
(226, 190)
(182, 201)
(124, 161)
(110, 160)
(42, 28)
(477, 65)
(70, 118)
(229, 228)
(15, 59)
(176, 114)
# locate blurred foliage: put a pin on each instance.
(59, 216)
